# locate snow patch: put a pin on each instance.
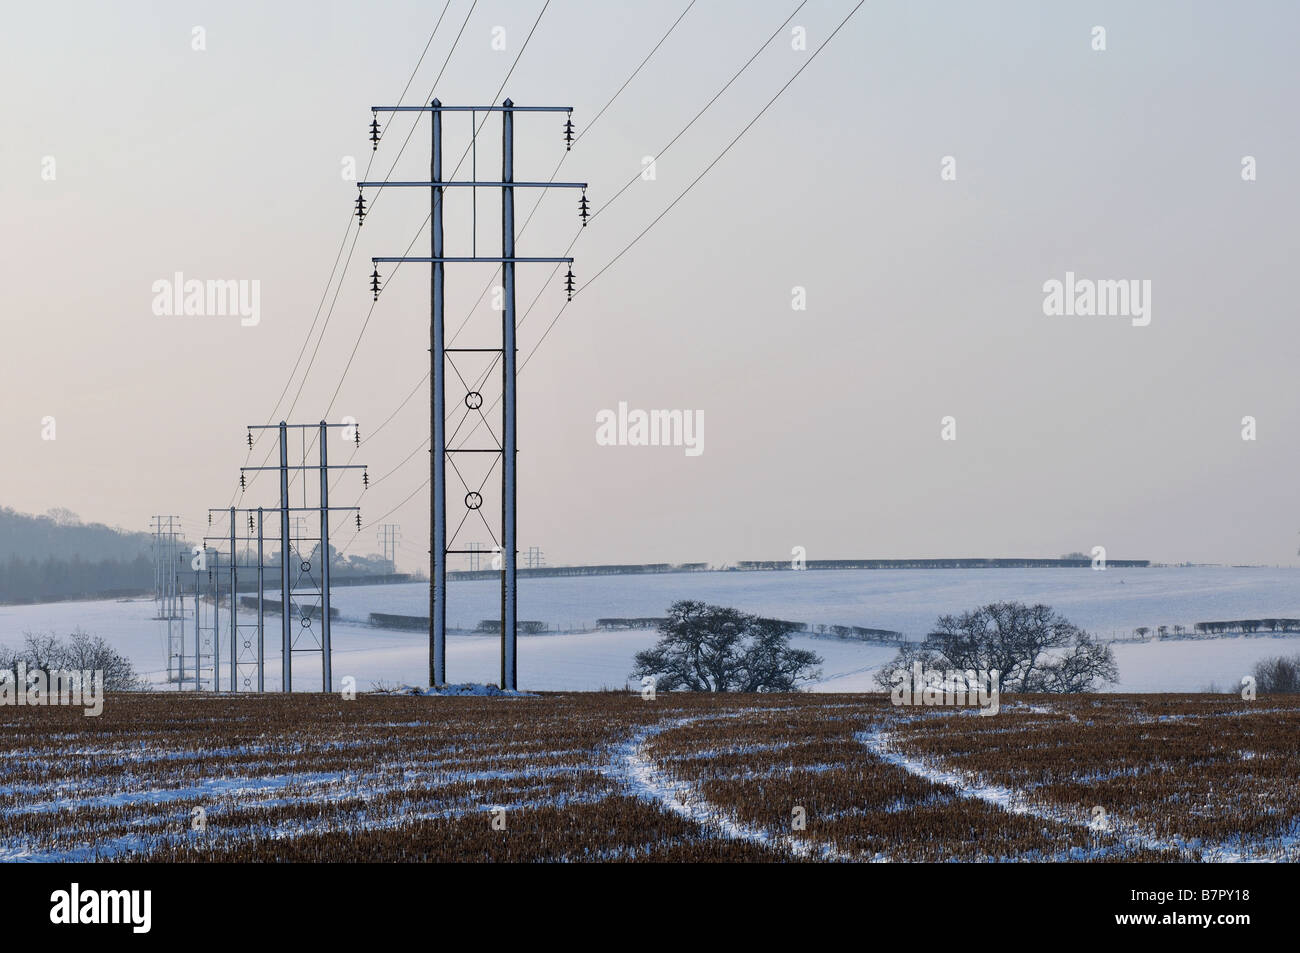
(467, 688)
(881, 744)
(633, 767)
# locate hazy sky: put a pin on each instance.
(822, 427)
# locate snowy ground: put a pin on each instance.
(1110, 603)
(685, 777)
(1107, 603)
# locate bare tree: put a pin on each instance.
(1078, 670)
(1009, 637)
(43, 651)
(909, 654)
(1278, 675)
(769, 663)
(1034, 648)
(86, 652)
(704, 648)
(81, 652)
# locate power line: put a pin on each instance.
(342, 243)
(370, 312)
(387, 176)
(646, 59)
(338, 255)
(697, 179)
(416, 122)
(683, 194)
(459, 163)
(365, 526)
(555, 172)
(708, 105)
(692, 185)
(564, 155)
(411, 79)
(652, 52)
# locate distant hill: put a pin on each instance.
(59, 534)
(56, 556)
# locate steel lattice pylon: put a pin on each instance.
(445, 453)
(297, 624)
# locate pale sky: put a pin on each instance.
(822, 426)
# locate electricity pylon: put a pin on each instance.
(387, 537)
(290, 589)
(244, 658)
(166, 552)
(439, 452)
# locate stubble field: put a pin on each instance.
(614, 777)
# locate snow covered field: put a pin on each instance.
(1107, 603)
(684, 777)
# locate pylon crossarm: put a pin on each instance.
(467, 109)
(471, 185)
(291, 509)
(309, 466)
(430, 261)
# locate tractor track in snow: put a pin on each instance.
(885, 746)
(632, 766)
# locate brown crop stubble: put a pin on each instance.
(854, 803)
(309, 777)
(1208, 769)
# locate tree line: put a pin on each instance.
(50, 579)
(1246, 626)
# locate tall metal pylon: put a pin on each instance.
(167, 592)
(247, 639)
(388, 535)
(288, 589)
(200, 629)
(439, 453)
(475, 554)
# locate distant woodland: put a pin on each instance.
(56, 556)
